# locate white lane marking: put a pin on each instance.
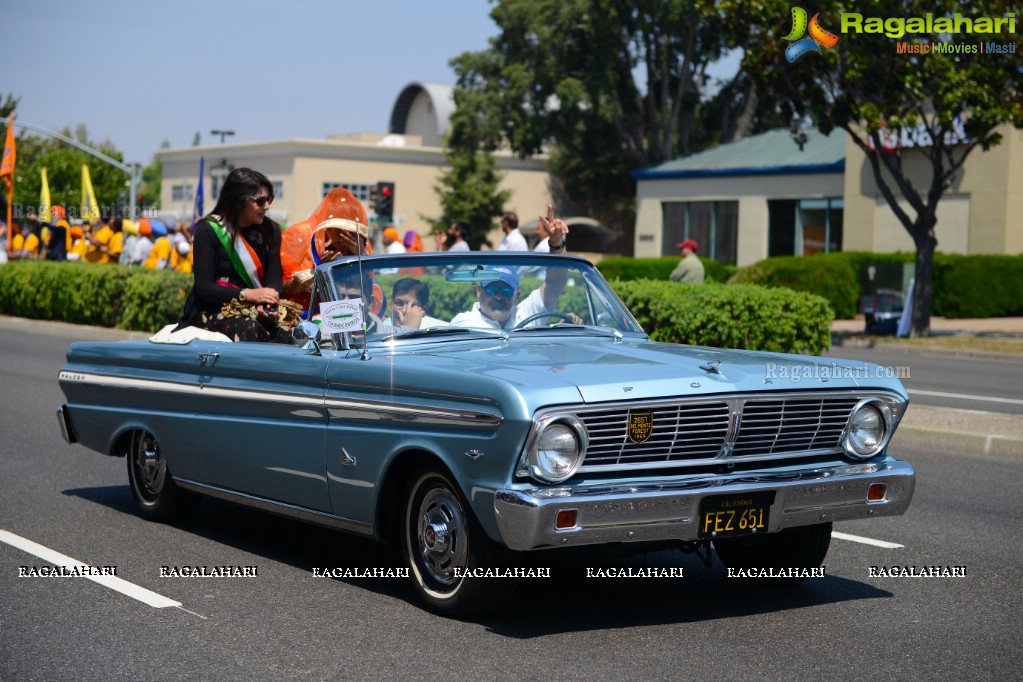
(963, 396)
(112, 581)
(865, 541)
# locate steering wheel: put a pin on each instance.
(540, 316)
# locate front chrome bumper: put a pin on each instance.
(643, 512)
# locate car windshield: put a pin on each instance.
(446, 296)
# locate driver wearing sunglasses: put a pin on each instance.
(498, 305)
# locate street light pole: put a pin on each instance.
(222, 133)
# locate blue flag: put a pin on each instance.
(197, 212)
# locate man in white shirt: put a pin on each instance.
(498, 305)
(392, 242)
(513, 239)
(454, 239)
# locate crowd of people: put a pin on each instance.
(150, 243)
(248, 274)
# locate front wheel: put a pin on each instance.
(156, 494)
(442, 542)
(801, 548)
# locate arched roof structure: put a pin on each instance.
(423, 109)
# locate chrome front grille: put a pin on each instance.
(792, 425)
(692, 433)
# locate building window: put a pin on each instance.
(803, 227)
(278, 189)
(181, 192)
(360, 192)
(714, 225)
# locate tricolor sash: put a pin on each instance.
(245, 261)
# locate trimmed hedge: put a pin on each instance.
(102, 295)
(659, 268)
(964, 286)
(136, 299)
(978, 286)
(733, 316)
(834, 279)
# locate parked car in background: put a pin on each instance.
(529, 412)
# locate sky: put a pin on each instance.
(141, 73)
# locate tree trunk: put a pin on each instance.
(926, 243)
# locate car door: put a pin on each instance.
(261, 421)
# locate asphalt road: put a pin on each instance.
(287, 624)
(975, 382)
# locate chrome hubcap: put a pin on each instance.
(441, 535)
(151, 470)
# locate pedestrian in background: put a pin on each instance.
(392, 242)
(513, 239)
(689, 269)
(454, 239)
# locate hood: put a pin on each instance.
(602, 370)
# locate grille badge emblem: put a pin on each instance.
(641, 426)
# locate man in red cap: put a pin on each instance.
(689, 269)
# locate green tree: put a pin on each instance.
(564, 76)
(63, 165)
(862, 87)
(469, 192)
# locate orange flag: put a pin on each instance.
(7, 169)
(7, 173)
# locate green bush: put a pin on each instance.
(100, 295)
(659, 268)
(978, 286)
(834, 279)
(734, 316)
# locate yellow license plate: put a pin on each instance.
(723, 516)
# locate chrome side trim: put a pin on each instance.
(281, 508)
(340, 408)
(196, 389)
(357, 409)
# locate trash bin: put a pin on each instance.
(884, 287)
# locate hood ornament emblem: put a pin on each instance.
(711, 366)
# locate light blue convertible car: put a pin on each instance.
(474, 406)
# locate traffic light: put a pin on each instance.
(384, 199)
(373, 199)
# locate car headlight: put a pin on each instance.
(557, 451)
(869, 425)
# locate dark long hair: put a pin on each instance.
(241, 185)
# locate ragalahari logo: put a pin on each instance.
(818, 36)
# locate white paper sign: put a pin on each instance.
(341, 316)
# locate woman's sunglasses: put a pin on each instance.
(263, 201)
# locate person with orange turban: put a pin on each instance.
(338, 227)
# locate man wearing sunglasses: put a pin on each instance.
(498, 305)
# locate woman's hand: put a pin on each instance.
(262, 296)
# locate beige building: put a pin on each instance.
(304, 170)
(764, 196)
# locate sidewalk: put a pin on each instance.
(958, 431)
(940, 326)
(946, 429)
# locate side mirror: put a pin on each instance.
(306, 335)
